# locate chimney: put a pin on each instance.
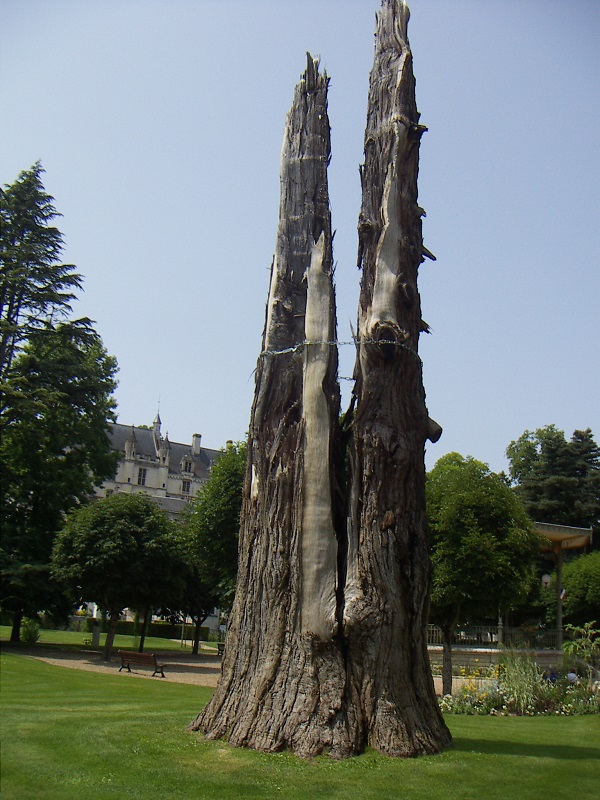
(130, 445)
(196, 439)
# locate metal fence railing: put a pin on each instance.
(494, 636)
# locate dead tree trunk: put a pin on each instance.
(388, 572)
(326, 644)
(283, 675)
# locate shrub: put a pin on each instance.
(520, 680)
(584, 648)
(30, 631)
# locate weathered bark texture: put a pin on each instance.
(326, 645)
(388, 573)
(283, 673)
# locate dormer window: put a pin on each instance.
(187, 466)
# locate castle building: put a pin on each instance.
(169, 472)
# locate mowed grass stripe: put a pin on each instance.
(76, 639)
(71, 734)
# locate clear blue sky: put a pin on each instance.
(159, 125)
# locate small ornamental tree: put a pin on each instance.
(483, 547)
(214, 520)
(119, 552)
(210, 533)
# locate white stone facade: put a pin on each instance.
(170, 472)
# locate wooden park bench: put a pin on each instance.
(128, 657)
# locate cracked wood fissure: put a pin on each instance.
(326, 647)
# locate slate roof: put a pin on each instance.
(145, 448)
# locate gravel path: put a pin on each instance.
(201, 670)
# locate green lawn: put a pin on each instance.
(69, 734)
(77, 639)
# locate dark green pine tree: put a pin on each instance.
(35, 287)
(586, 469)
(558, 481)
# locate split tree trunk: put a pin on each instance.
(388, 573)
(326, 647)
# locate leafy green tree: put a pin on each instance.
(199, 596)
(211, 530)
(483, 547)
(35, 287)
(558, 481)
(120, 552)
(54, 449)
(581, 582)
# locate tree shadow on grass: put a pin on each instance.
(506, 748)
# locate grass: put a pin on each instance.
(77, 639)
(68, 734)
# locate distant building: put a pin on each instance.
(169, 472)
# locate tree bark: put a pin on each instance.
(326, 644)
(388, 572)
(17, 620)
(447, 635)
(197, 632)
(110, 635)
(147, 615)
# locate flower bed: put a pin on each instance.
(517, 686)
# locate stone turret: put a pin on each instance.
(156, 430)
